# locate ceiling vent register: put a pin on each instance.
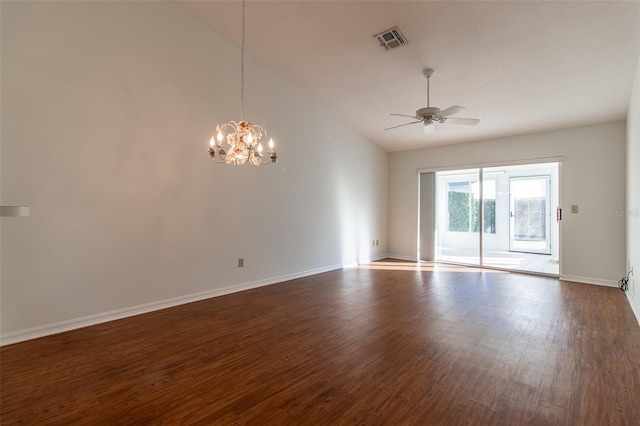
(391, 39)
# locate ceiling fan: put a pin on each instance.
(430, 115)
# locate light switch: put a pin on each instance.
(574, 208)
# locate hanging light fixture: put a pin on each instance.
(242, 138)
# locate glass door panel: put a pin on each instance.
(458, 217)
(529, 214)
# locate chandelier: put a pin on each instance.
(242, 138)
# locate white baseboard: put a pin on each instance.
(588, 280)
(402, 257)
(364, 261)
(72, 324)
(373, 259)
(379, 257)
(634, 307)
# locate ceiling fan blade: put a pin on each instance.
(465, 121)
(405, 124)
(450, 111)
(405, 115)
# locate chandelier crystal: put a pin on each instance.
(242, 139)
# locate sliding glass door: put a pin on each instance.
(502, 217)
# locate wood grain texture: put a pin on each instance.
(391, 343)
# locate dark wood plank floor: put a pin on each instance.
(388, 343)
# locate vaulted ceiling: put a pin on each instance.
(518, 66)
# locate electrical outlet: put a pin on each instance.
(241, 263)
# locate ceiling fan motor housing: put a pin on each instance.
(429, 112)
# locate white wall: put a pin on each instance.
(592, 176)
(633, 195)
(107, 110)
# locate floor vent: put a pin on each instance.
(391, 39)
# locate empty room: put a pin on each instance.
(319, 212)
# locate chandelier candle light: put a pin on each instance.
(243, 137)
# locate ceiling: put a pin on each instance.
(518, 66)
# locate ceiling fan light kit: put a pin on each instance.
(429, 127)
(430, 115)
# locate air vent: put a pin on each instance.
(391, 39)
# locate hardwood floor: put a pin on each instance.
(389, 343)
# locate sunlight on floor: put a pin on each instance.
(424, 266)
(517, 261)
